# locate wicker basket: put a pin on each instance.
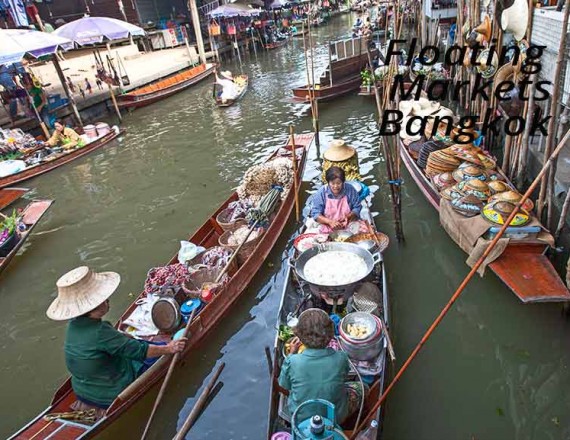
(198, 261)
(193, 287)
(223, 219)
(246, 250)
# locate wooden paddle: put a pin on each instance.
(196, 410)
(173, 362)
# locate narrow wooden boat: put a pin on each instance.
(165, 87)
(59, 160)
(205, 321)
(276, 44)
(31, 215)
(301, 33)
(293, 295)
(328, 92)
(230, 102)
(10, 195)
(523, 266)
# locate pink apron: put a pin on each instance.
(335, 209)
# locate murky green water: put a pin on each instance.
(494, 369)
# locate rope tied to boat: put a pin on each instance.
(87, 416)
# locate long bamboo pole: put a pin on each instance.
(462, 286)
(553, 107)
(295, 181)
(173, 363)
(193, 416)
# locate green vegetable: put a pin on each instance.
(285, 333)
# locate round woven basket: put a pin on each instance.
(198, 260)
(223, 219)
(246, 250)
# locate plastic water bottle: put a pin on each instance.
(370, 433)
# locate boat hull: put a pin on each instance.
(208, 318)
(231, 102)
(37, 170)
(328, 92)
(277, 44)
(132, 101)
(522, 267)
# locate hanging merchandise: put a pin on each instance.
(214, 28)
(231, 29)
(123, 72)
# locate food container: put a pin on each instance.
(166, 314)
(90, 131)
(306, 241)
(335, 291)
(103, 128)
(223, 219)
(340, 236)
(188, 307)
(367, 348)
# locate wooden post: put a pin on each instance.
(67, 92)
(295, 181)
(197, 29)
(117, 110)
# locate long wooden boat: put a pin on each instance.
(30, 216)
(276, 44)
(204, 322)
(523, 266)
(292, 296)
(327, 92)
(10, 195)
(59, 160)
(165, 87)
(230, 102)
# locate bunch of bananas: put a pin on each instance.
(350, 167)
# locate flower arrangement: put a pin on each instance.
(8, 226)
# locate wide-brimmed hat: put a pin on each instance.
(81, 290)
(475, 187)
(468, 205)
(514, 19)
(443, 180)
(484, 29)
(227, 74)
(468, 173)
(405, 107)
(464, 136)
(487, 70)
(338, 151)
(497, 213)
(415, 127)
(498, 186)
(442, 112)
(425, 107)
(512, 196)
(451, 192)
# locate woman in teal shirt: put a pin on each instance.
(102, 361)
(319, 372)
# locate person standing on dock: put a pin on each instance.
(102, 360)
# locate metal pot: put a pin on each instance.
(345, 290)
(362, 350)
(166, 314)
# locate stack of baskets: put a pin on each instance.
(247, 248)
(223, 219)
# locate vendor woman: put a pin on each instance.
(319, 372)
(64, 136)
(336, 204)
(102, 361)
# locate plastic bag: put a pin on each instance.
(188, 251)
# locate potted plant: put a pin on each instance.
(9, 234)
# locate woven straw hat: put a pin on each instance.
(405, 107)
(514, 19)
(338, 151)
(484, 29)
(487, 71)
(228, 75)
(424, 107)
(414, 128)
(80, 291)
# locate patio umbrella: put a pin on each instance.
(15, 43)
(233, 10)
(89, 30)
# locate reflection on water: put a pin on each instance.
(494, 369)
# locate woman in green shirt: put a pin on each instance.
(102, 361)
(319, 372)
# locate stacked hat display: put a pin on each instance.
(343, 156)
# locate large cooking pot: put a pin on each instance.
(337, 291)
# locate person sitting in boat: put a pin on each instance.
(102, 361)
(319, 372)
(230, 89)
(65, 137)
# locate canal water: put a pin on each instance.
(494, 369)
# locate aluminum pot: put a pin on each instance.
(344, 290)
(363, 351)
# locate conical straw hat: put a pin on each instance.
(338, 151)
(80, 291)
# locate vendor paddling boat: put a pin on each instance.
(458, 182)
(165, 87)
(242, 81)
(36, 162)
(171, 291)
(363, 301)
(277, 44)
(23, 222)
(348, 58)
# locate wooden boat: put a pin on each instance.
(165, 87)
(301, 33)
(230, 102)
(347, 59)
(59, 159)
(205, 321)
(523, 266)
(276, 44)
(292, 297)
(10, 195)
(30, 216)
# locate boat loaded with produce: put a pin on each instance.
(330, 354)
(204, 280)
(22, 157)
(474, 198)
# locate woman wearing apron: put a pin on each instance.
(336, 204)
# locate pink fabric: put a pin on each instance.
(335, 209)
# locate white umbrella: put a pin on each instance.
(15, 43)
(89, 30)
(234, 10)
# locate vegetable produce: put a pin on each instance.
(259, 179)
(285, 333)
(266, 207)
(171, 275)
